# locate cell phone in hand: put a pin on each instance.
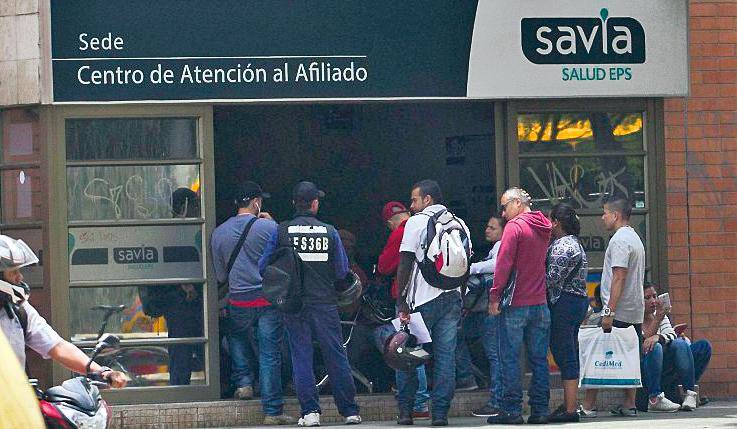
(665, 299)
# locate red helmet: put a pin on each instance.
(401, 351)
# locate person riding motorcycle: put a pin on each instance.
(23, 326)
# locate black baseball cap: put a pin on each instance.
(307, 191)
(250, 190)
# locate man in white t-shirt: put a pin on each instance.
(622, 279)
(440, 309)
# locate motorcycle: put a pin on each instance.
(77, 403)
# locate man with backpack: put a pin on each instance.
(525, 318)
(435, 253)
(237, 246)
(322, 268)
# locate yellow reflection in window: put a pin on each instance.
(531, 129)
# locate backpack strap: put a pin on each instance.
(237, 249)
(22, 318)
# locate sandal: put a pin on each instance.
(624, 412)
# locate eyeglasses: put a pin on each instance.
(503, 207)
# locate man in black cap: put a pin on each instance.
(247, 308)
(325, 265)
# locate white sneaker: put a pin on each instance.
(661, 404)
(309, 420)
(353, 420)
(689, 402)
(587, 414)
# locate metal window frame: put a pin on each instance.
(654, 153)
(59, 225)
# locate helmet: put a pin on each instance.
(401, 351)
(15, 254)
(348, 296)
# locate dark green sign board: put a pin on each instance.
(138, 50)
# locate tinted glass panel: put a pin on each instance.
(22, 198)
(579, 132)
(20, 138)
(133, 192)
(158, 138)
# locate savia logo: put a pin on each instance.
(600, 40)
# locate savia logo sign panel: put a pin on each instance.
(575, 48)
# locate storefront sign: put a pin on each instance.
(178, 50)
(136, 252)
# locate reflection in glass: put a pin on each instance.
(131, 138)
(131, 192)
(579, 132)
(21, 195)
(583, 182)
(147, 366)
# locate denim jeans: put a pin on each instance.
(267, 324)
(183, 319)
(566, 316)
(320, 323)
(673, 364)
(481, 325)
(381, 334)
(441, 315)
(529, 325)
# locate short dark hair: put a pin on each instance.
(567, 217)
(301, 205)
(499, 218)
(620, 204)
(649, 285)
(431, 188)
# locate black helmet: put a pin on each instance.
(350, 295)
(401, 351)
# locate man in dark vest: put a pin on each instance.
(325, 265)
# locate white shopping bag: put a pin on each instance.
(609, 360)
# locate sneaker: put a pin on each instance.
(562, 416)
(537, 420)
(244, 393)
(505, 419)
(405, 418)
(281, 419)
(485, 411)
(661, 404)
(689, 401)
(421, 414)
(309, 419)
(467, 386)
(353, 420)
(440, 421)
(624, 412)
(587, 414)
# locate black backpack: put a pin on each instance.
(283, 277)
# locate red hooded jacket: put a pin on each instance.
(524, 246)
(390, 257)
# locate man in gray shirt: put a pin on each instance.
(621, 287)
(248, 309)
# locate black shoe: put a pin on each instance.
(537, 420)
(505, 419)
(405, 418)
(562, 416)
(485, 411)
(439, 421)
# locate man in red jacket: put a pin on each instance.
(395, 216)
(527, 320)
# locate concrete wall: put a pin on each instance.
(20, 53)
(701, 171)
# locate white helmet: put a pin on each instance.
(15, 254)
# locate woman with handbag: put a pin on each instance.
(566, 271)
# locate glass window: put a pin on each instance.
(20, 138)
(131, 138)
(580, 132)
(583, 182)
(22, 198)
(595, 238)
(133, 192)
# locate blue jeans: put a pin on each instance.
(381, 334)
(481, 325)
(320, 323)
(441, 316)
(674, 364)
(566, 316)
(529, 325)
(267, 324)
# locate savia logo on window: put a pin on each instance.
(600, 40)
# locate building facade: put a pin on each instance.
(126, 129)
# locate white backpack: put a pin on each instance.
(447, 249)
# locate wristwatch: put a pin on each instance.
(607, 312)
